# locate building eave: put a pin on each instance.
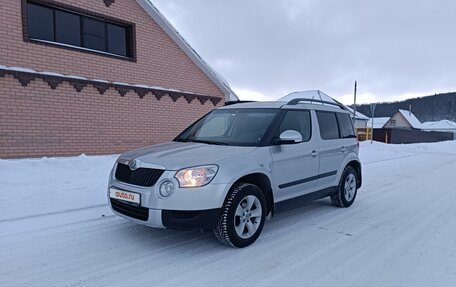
(26, 75)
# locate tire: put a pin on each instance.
(347, 189)
(242, 216)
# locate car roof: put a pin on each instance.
(285, 105)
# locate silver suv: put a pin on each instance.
(236, 165)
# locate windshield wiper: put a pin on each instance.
(200, 141)
(181, 140)
(207, 142)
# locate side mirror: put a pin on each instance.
(289, 137)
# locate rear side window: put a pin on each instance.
(345, 126)
(329, 128)
(298, 121)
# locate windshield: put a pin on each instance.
(239, 127)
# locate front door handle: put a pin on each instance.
(314, 153)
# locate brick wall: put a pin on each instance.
(160, 62)
(39, 121)
(36, 120)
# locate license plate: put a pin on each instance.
(125, 195)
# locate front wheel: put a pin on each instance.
(347, 189)
(242, 216)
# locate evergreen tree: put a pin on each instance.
(430, 108)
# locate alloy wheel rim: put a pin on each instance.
(247, 217)
(350, 187)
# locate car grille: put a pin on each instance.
(137, 212)
(142, 176)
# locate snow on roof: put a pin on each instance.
(122, 84)
(20, 69)
(77, 77)
(214, 76)
(100, 81)
(439, 125)
(410, 117)
(358, 115)
(378, 122)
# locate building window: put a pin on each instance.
(393, 123)
(48, 23)
(67, 27)
(40, 22)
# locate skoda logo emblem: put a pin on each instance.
(132, 164)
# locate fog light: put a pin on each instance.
(166, 188)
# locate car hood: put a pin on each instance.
(178, 155)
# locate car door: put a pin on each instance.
(295, 166)
(332, 151)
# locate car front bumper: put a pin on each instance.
(173, 219)
(186, 208)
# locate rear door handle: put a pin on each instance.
(343, 149)
(314, 153)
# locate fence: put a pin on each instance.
(400, 136)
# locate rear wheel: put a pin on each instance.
(242, 216)
(347, 189)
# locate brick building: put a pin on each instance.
(96, 77)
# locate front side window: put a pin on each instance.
(298, 121)
(327, 122)
(47, 23)
(238, 127)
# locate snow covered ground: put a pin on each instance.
(56, 230)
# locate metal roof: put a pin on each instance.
(358, 115)
(410, 117)
(439, 125)
(311, 94)
(378, 122)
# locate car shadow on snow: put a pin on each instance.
(154, 238)
(309, 215)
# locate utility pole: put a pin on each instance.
(354, 103)
(372, 106)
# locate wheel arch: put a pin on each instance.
(264, 183)
(357, 166)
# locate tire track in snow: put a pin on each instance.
(52, 213)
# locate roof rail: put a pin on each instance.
(298, 100)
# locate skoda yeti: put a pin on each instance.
(236, 165)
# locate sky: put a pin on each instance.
(268, 48)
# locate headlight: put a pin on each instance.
(196, 176)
